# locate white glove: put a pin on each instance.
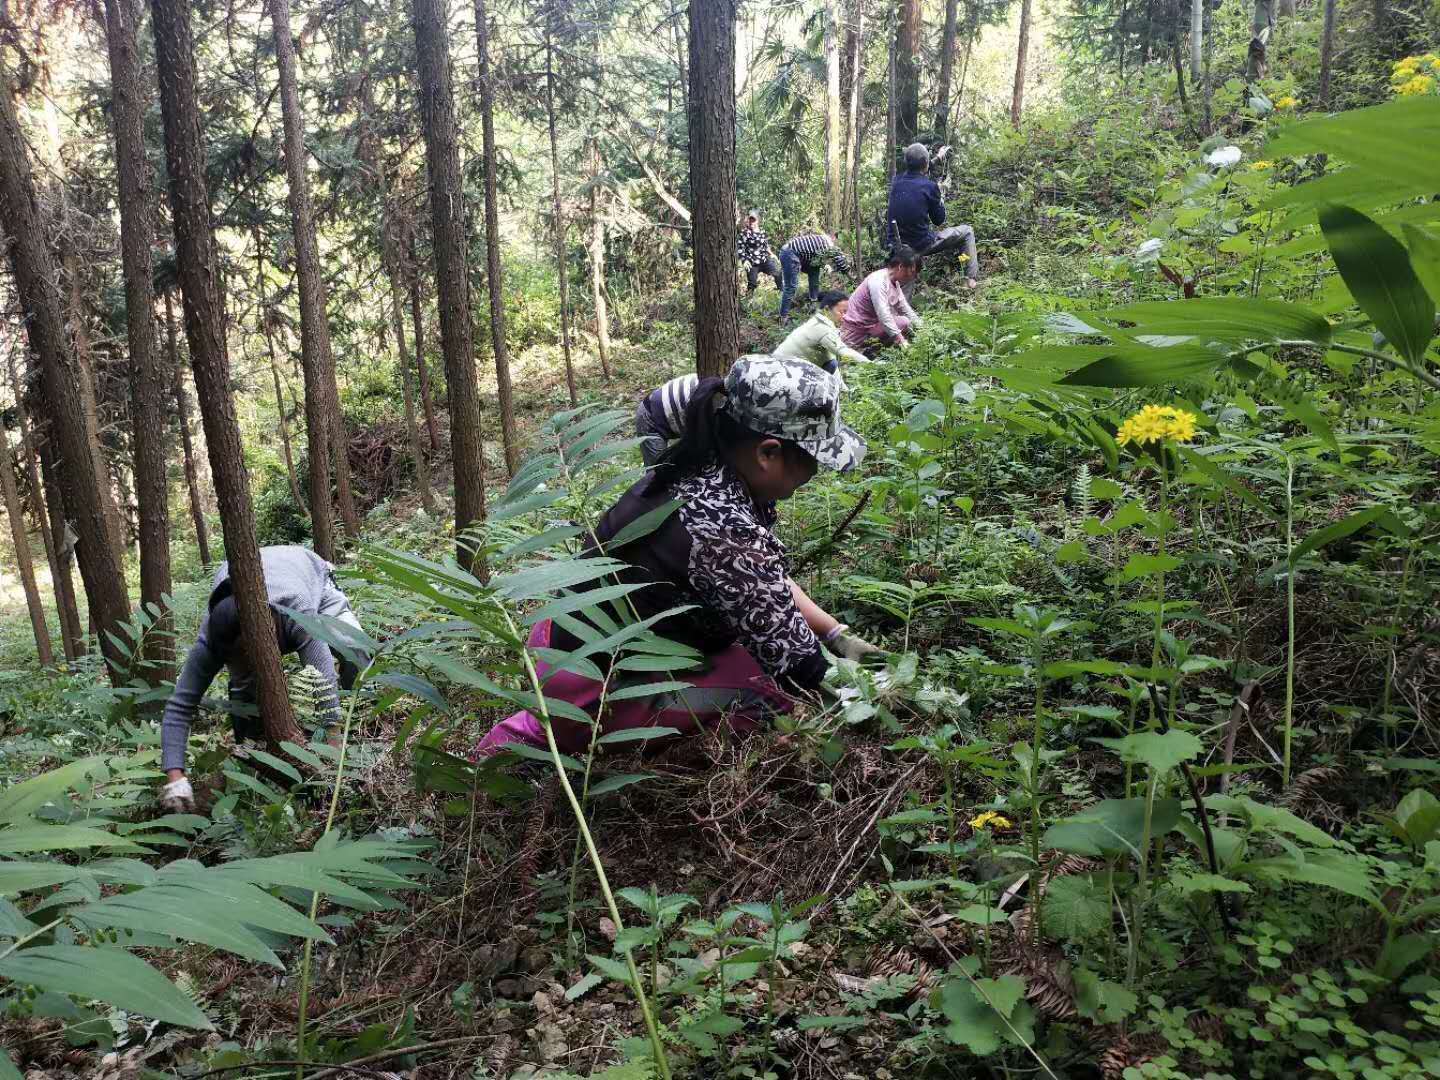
(178, 797)
(848, 646)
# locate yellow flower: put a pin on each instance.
(1157, 423)
(990, 819)
(1420, 84)
(1261, 166)
(1406, 66)
(1286, 102)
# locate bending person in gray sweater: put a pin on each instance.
(295, 578)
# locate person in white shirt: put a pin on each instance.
(818, 338)
(878, 309)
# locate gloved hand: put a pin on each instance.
(178, 797)
(849, 646)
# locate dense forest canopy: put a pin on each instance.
(949, 486)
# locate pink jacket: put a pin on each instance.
(876, 307)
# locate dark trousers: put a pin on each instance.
(957, 236)
(754, 270)
(790, 269)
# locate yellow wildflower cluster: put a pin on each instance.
(990, 819)
(1287, 102)
(1156, 423)
(1261, 166)
(1415, 75)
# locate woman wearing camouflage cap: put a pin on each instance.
(748, 441)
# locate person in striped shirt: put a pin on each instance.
(660, 416)
(807, 251)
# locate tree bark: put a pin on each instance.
(23, 563)
(324, 429)
(182, 412)
(37, 285)
(890, 140)
(147, 375)
(947, 70)
(834, 155)
(857, 127)
(452, 281)
(39, 506)
(907, 74)
(597, 265)
(1197, 39)
(390, 250)
(72, 629)
(558, 209)
(494, 272)
(711, 124)
(200, 284)
(87, 387)
(422, 372)
(1327, 53)
(1022, 50)
(283, 415)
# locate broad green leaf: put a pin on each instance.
(643, 525)
(611, 969)
(645, 690)
(1229, 320)
(1160, 751)
(1378, 515)
(1395, 142)
(1188, 884)
(1112, 827)
(1142, 566)
(412, 685)
(1376, 269)
(181, 913)
(20, 877)
(1343, 873)
(1077, 905)
(551, 577)
(616, 782)
(23, 799)
(981, 915)
(540, 541)
(1100, 1000)
(1419, 815)
(26, 838)
(1146, 365)
(109, 975)
(1270, 818)
(538, 500)
(565, 605)
(975, 1024)
(1424, 246)
(1222, 477)
(635, 735)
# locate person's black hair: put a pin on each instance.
(829, 298)
(902, 255)
(710, 435)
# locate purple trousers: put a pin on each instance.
(731, 690)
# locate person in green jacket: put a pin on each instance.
(817, 339)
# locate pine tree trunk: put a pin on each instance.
(1327, 53)
(23, 563)
(36, 283)
(283, 415)
(857, 127)
(86, 385)
(422, 371)
(907, 74)
(72, 629)
(558, 211)
(1197, 40)
(199, 274)
(452, 281)
(38, 505)
(597, 265)
(947, 70)
(890, 139)
(182, 412)
(494, 272)
(834, 156)
(324, 430)
(1022, 50)
(147, 375)
(711, 123)
(391, 253)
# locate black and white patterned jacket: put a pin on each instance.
(719, 552)
(752, 247)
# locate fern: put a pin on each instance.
(1080, 492)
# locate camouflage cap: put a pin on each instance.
(796, 401)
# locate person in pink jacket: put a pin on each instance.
(878, 309)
